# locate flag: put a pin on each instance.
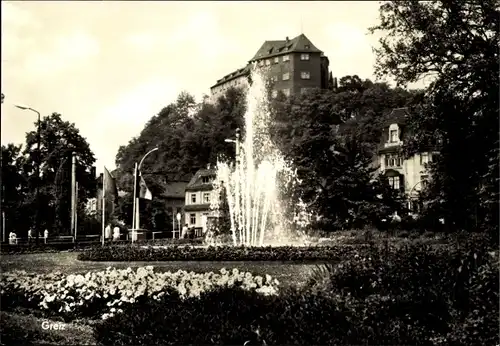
(109, 185)
(144, 192)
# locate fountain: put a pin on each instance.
(256, 183)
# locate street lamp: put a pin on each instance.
(237, 142)
(136, 200)
(37, 173)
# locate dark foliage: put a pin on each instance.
(408, 296)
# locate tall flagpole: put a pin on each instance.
(103, 203)
(134, 203)
(76, 211)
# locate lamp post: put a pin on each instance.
(413, 188)
(237, 143)
(136, 199)
(37, 172)
(237, 171)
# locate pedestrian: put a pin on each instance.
(30, 235)
(116, 233)
(184, 231)
(12, 238)
(46, 235)
(107, 232)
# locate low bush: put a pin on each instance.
(234, 317)
(221, 253)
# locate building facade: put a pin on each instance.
(408, 175)
(199, 196)
(291, 66)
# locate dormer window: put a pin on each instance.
(394, 136)
(205, 180)
(306, 46)
(394, 133)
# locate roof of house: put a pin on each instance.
(278, 47)
(270, 49)
(238, 73)
(197, 183)
(174, 189)
(397, 116)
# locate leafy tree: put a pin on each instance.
(58, 140)
(456, 43)
(189, 136)
(14, 188)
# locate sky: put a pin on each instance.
(109, 66)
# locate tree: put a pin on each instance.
(456, 43)
(58, 140)
(14, 188)
(189, 137)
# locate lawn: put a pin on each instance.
(67, 263)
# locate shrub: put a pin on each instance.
(221, 253)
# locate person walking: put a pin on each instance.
(184, 231)
(116, 233)
(30, 235)
(46, 235)
(107, 232)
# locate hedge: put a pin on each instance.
(221, 253)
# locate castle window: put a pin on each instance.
(305, 75)
(276, 60)
(304, 56)
(286, 58)
(286, 76)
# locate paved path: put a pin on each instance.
(66, 262)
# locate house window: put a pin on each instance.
(274, 78)
(425, 181)
(193, 198)
(286, 92)
(286, 58)
(286, 76)
(268, 62)
(261, 63)
(306, 46)
(192, 219)
(206, 197)
(205, 180)
(304, 56)
(305, 75)
(274, 93)
(276, 60)
(394, 136)
(424, 158)
(394, 182)
(393, 161)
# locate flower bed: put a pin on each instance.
(104, 293)
(222, 253)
